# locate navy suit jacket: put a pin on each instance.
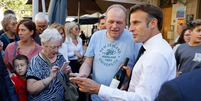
(186, 87)
(7, 90)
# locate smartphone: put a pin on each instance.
(64, 66)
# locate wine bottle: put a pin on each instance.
(118, 78)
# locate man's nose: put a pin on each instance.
(114, 25)
(131, 28)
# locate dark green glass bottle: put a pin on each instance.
(118, 78)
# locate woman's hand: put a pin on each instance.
(67, 70)
(54, 71)
(78, 55)
(79, 60)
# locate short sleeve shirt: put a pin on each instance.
(110, 54)
(188, 57)
(38, 69)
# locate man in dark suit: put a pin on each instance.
(7, 90)
(183, 88)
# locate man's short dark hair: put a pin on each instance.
(194, 24)
(102, 17)
(21, 57)
(153, 12)
(8, 12)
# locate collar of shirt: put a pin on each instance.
(150, 43)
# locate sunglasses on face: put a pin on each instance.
(77, 29)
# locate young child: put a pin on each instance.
(20, 63)
(188, 55)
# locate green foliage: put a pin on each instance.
(20, 7)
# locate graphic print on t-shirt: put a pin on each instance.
(197, 57)
(22, 91)
(109, 55)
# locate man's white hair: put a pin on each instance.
(41, 17)
(50, 34)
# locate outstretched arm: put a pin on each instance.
(85, 69)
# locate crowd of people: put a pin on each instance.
(32, 54)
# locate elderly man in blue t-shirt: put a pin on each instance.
(108, 49)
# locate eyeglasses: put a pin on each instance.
(14, 24)
(77, 29)
(53, 48)
(42, 26)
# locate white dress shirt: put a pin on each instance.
(156, 66)
(176, 39)
(64, 50)
(74, 48)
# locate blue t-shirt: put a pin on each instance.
(39, 69)
(109, 55)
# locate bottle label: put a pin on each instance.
(114, 83)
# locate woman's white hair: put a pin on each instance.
(50, 34)
(6, 20)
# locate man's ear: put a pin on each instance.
(153, 23)
(190, 31)
(105, 19)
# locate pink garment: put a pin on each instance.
(9, 54)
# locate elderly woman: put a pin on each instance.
(63, 49)
(26, 29)
(9, 23)
(42, 83)
(75, 49)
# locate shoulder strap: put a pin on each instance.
(46, 60)
(58, 75)
(6, 37)
(15, 48)
(62, 81)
